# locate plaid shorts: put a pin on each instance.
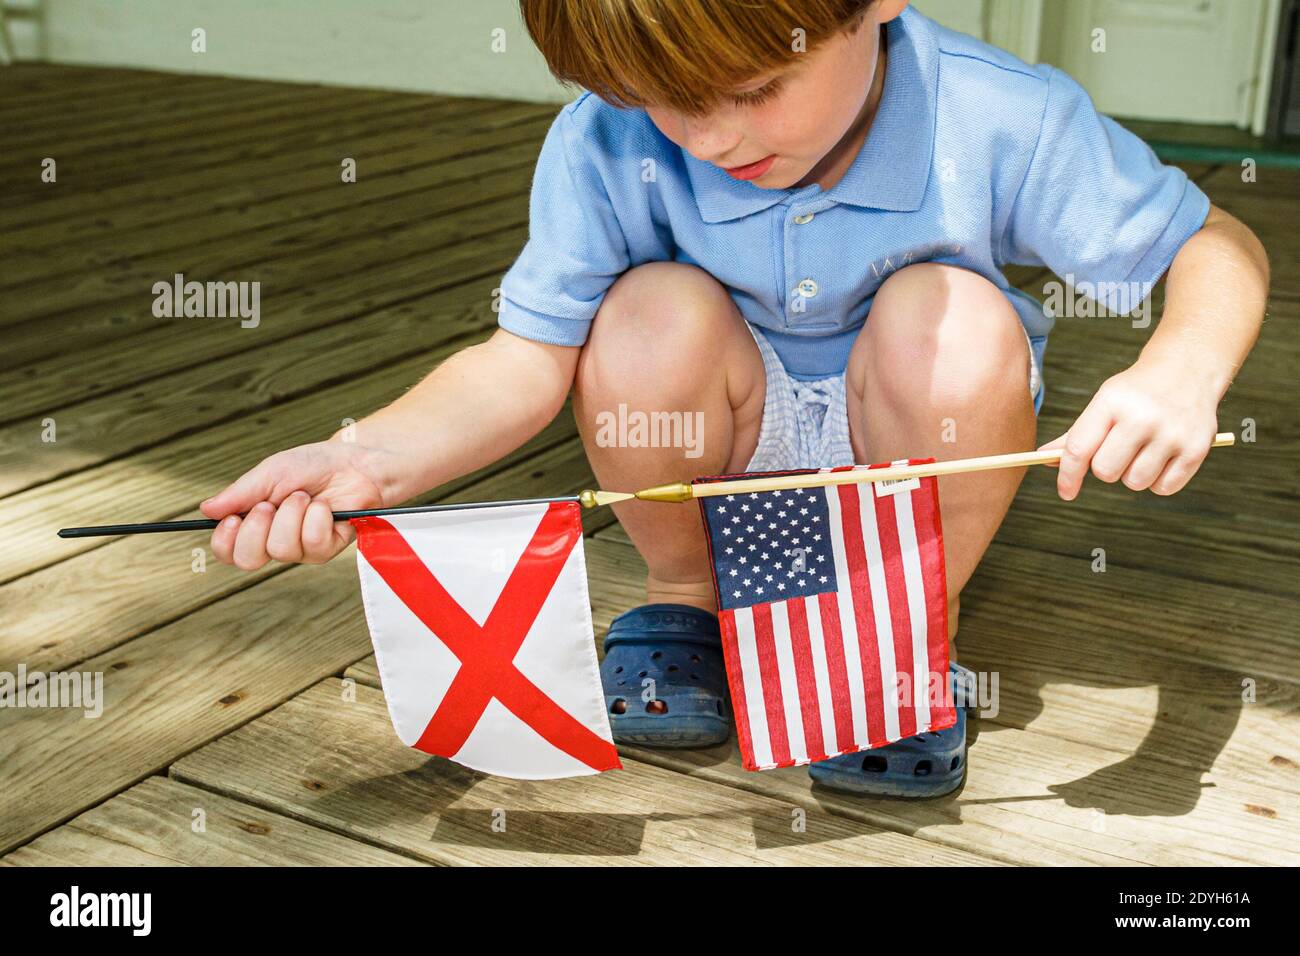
(806, 424)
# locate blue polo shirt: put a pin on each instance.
(975, 159)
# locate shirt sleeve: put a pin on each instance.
(575, 249)
(1096, 205)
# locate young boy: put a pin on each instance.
(791, 217)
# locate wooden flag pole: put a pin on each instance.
(681, 491)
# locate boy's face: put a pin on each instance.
(777, 128)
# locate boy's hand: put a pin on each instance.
(287, 502)
(1150, 426)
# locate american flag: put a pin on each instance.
(833, 605)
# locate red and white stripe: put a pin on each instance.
(815, 677)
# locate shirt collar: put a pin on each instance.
(891, 170)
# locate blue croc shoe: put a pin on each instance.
(927, 765)
(665, 683)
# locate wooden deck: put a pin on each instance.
(1125, 736)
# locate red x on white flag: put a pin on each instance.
(482, 630)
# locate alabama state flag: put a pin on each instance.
(481, 625)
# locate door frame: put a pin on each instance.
(1263, 121)
(1017, 25)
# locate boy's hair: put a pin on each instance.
(680, 54)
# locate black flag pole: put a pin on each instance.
(207, 524)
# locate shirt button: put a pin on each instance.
(807, 288)
(803, 218)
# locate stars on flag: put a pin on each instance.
(755, 571)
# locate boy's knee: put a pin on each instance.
(942, 335)
(662, 303)
(658, 319)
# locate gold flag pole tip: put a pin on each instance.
(677, 491)
(596, 499)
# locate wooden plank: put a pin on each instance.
(282, 226)
(179, 135)
(1204, 726)
(1241, 633)
(1185, 719)
(136, 584)
(457, 245)
(616, 533)
(170, 478)
(207, 154)
(59, 130)
(31, 202)
(186, 173)
(1268, 206)
(185, 195)
(235, 125)
(127, 154)
(111, 426)
(1282, 186)
(151, 111)
(1232, 526)
(325, 206)
(140, 162)
(65, 108)
(1165, 690)
(375, 263)
(1051, 800)
(159, 198)
(1225, 545)
(1138, 665)
(338, 764)
(1083, 352)
(1121, 341)
(987, 816)
(147, 105)
(176, 687)
(152, 824)
(356, 396)
(30, 74)
(48, 83)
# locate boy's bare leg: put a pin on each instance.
(943, 356)
(668, 338)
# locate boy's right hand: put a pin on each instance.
(287, 501)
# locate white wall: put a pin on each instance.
(438, 46)
(964, 15)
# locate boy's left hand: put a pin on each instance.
(1150, 426)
